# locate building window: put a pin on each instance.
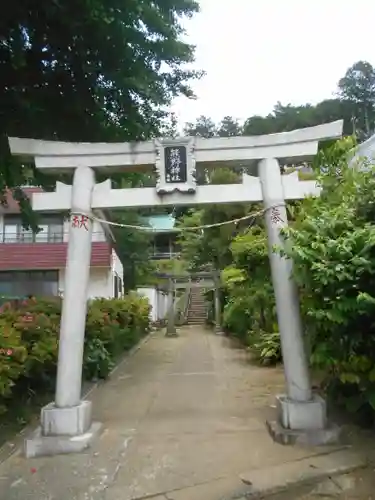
(24, 283)
(10, 233)
(51, 230)
(42, 236)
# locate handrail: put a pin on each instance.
(186, 276)
(181, 306)
(187, 303)
(164, 255)
(35, 238)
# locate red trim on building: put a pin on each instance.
(30, 256)
(15, 256)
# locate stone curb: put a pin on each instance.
(276, 479)
(268, 481)
(8, 449)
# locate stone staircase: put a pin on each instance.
(197, 311)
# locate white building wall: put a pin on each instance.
(100, 283)
(163, 305)
(158, 302)
(102, 279)
(98, 233)
(117, 268)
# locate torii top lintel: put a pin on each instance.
(54, 156)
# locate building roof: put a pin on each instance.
(162, 223)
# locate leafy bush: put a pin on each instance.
(267, 347)
(333, 248)
(250, 312)
(29, 333)
(331, 240)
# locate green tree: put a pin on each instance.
(210, 247)
(191, 242)
(207, 128)
(229, 127)
(133, 248)
(357, 88)
(170, 126)
(250, 310)
(287, 117)
(332, 244)
(93, 71)
(203, 127)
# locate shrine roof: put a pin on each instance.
(161, 223)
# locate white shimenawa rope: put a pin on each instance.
(177, 229)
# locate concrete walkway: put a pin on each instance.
(182, 419)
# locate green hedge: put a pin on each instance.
(29, 333)
(331, 240)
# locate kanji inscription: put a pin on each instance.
(80, 221)
(175, 164)
(276, 217)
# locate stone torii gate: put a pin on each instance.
(203, 279)
(66, 424)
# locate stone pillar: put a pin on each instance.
(299, 409)
(217, 305)
(157, 304)
(74, 309)
(171, 328)
(69, 417)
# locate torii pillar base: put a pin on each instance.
(171, 333)
(218, 330)
(303, 423)
(63, 431)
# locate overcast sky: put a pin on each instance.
(258, 52)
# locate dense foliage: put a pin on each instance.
(331, 240)
(333, 248)
(210, 246)
(355, 104)
(29, 333)
(250, 309)
(92, 71)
